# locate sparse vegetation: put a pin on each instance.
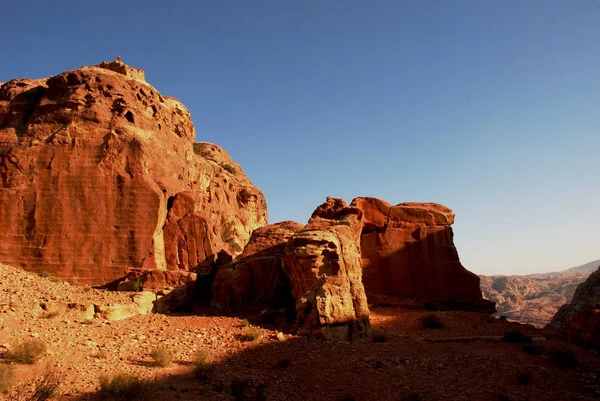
(125, 387)
(516, 337)
(203, 368)
(162, 356)
(379, 338)
(250, 334)
(532, 349)
(44, 274)
(411, 397)
(50, 315)
(101, 354)
(87, 289)
(244, 323)
(283, 363)
(46, 387)
(88, 321)
(431, 321)
(245, 390)
(7, 376)
(524, 379)
(564, 359)
(28, 352)
(229, 167)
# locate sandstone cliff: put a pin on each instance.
(99, 174)
(408, 251)
(579, 320)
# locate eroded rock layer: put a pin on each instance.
(99, 173)
(579, 320)
(408, 251)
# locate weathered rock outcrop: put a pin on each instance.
(256, 277)
(408, 251)
(99, 173)
(323, 266)
(579, 321)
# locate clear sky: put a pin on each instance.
(489, 107)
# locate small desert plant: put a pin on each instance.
(283, 363)
(230, 168)
(245, 390)
(516, 337)
(50, 315)
(44, 274)
(250, 334)
(431, 321)
(203, 368)
(88, 322)
(411, 397)
(55, 280)
(124, 387)
(162, 356)
(533, 349)
(379, 338)
(7, 375)
(87, 289)
(564, 359)
(28, 352)
(244, 323)
(101, 354)
(45, 388)
(524, 378)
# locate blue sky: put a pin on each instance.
(489, 107)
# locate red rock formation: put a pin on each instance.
(579, 321)
(323, 266)
(256, 277)
(99, 173)
(408, 251)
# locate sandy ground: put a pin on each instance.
(403, 358)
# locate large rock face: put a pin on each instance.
(99, 173)
(323, 266)
(579, 321)
(408, 251)
(256, 277)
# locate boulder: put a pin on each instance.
(408, 251)
(256, 277)
(323, 266)
(99, 174)
(579, 320)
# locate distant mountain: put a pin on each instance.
(587, 268)
(534, 298)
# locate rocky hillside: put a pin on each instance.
(535, 298)
(579, 320)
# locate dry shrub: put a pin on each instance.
(28, 352)
(564, 359)
(203, 368)
(250, 334)
(162, 356)
(7, 376)
(101, 354)
(125, 387)
(46, 387)
(431, 321)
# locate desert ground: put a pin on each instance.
(466, 359)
